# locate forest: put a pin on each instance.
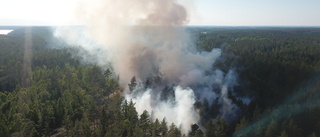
(46, 90)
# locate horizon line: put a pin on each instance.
(234, 26)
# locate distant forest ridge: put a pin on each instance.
(51, 92)
(192, 26)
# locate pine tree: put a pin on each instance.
(174, 131)
(243, 123)
(271, 129)
(164, 128)
(133, 84)
(283, 134)
(220, 128)
(210, 127)
(103, 122)
(156, 128)
(144, 121)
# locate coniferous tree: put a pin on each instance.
(144, 122)
(164, 128)
(133, 84)
(174, 131)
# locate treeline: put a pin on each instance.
(23, 50)
(45, 91)
(274, 65)
(50, 93)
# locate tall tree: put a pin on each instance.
(174, 131)
(133, 84)
(164, 128)
(144, 121)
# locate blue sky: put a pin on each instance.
(259, 12)
(204, 12)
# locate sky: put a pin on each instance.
(203, 12)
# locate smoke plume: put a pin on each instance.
(146, 39)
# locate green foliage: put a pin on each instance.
(273, 61)
(217, 128)
(271, 129)
(195, 131)
(144, 122)
(278, 67)
(53, 94)
(242, 124)
(163, 128)
(283, 134)
(132, 84)
(156, 128)
(174, 131)
(220, 127)
(46, 91)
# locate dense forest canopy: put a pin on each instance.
(47, 90)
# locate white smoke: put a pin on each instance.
(179, 110)
(146, 38)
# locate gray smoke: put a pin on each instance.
(146, 38)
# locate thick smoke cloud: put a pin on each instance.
(146, 39)
(179, 110)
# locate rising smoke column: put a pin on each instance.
(146, 38)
